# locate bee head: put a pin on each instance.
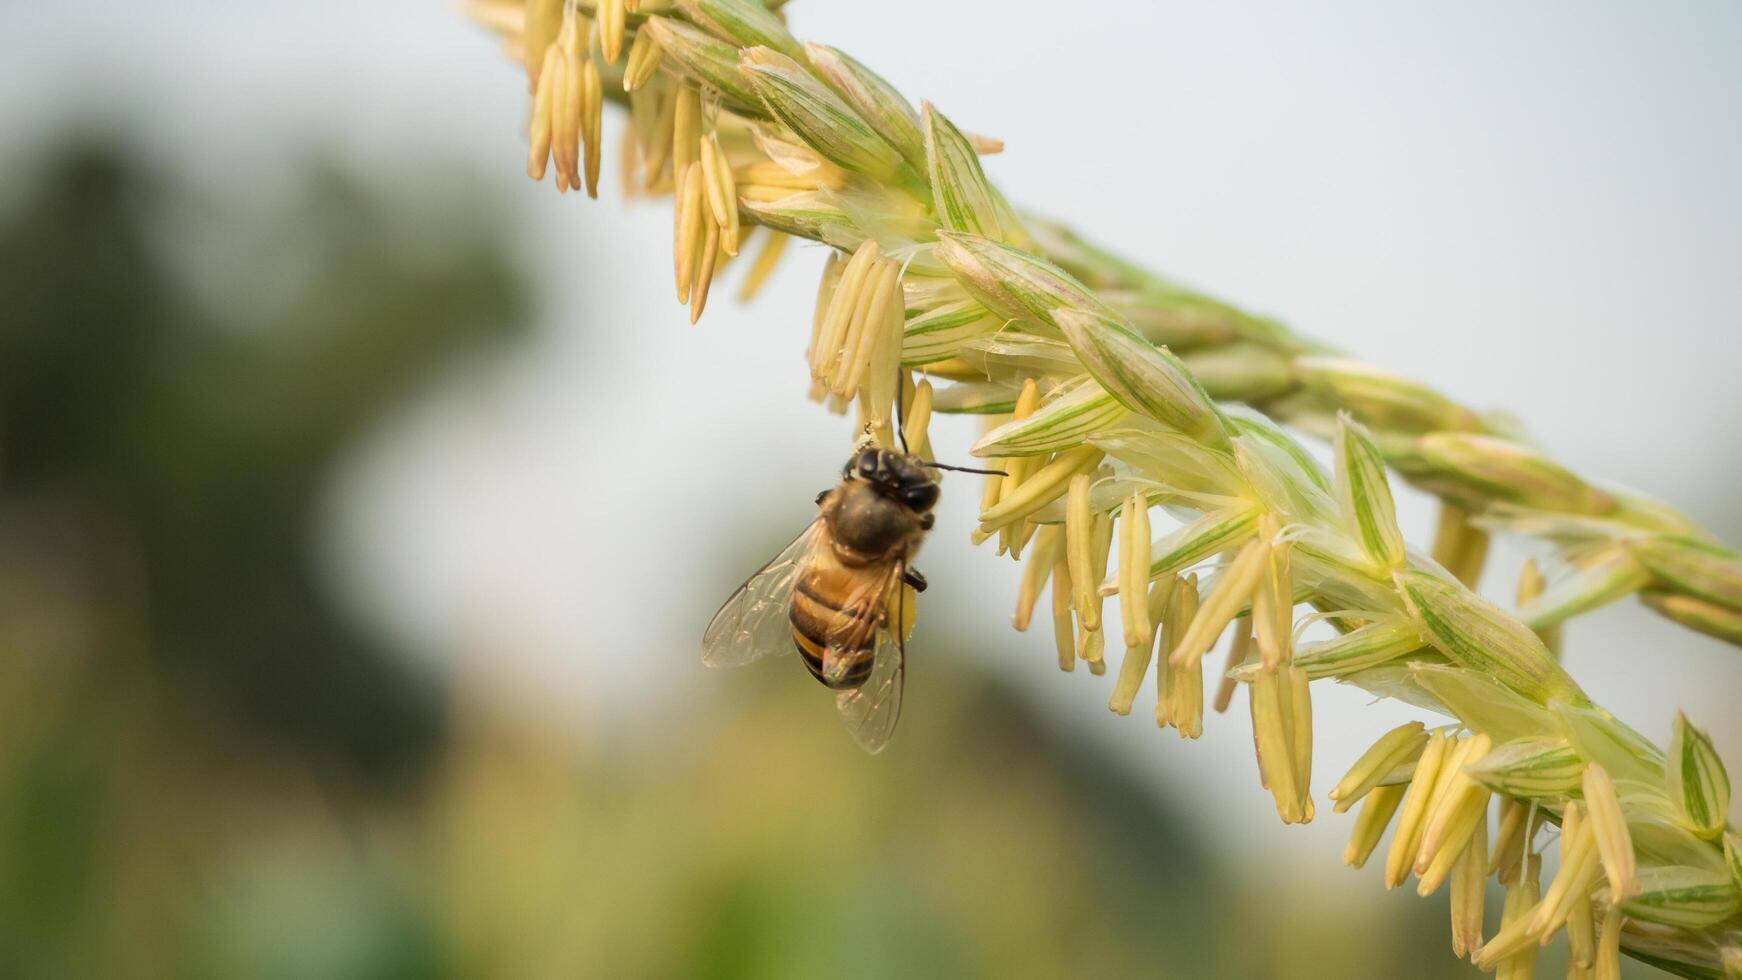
(902, 477)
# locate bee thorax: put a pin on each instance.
(870, 524)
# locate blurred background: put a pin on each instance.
(361, 503)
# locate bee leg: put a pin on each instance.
(912, 577)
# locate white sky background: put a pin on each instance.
(1536, 207)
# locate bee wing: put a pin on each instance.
(871, 711)
(753, 623)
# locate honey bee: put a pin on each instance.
(833, 592)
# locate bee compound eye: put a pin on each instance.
(920, 497)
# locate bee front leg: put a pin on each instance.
(912, 577)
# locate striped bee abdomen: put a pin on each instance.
(840, 608)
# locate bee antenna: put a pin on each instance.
(966, 469)
(900, 390)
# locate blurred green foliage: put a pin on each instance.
(160, 461)
(162, 455)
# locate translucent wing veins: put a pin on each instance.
(753, 622)
(871, 712)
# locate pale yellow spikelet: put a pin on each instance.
(761, 194)
(1019, 467)
(1608, 959)
(1273, 599)
(880, 372)
(1238, 650)
(1063, 629)
(1609, 827)
(827, 283)
(1016, 536)
(1581, 936)
(1509, 833)
(1377, 809)
(1092, 641)
(911, 439)
(1300, 722)
(1185, 691)
(643, 63)
(591, 112)
(774, 245)
(917, 429)
(870, 418)
(1011, 535)
(779, 180)
(1407, 840)
(1450, 769)
(688, 236)
(1394, 748)
(612, 22)
(646, 108)
(1079, 545)
(543, 106)
(1272, 699)
(1136, 663)
(991, 486)
(661, 138)
(566, 66)
(1181, 705)
(1578, 872)
(565, 116)
(1134, 557)
(1172, 624)
(705, 265)
(1233, 589)
(1182, 608)
(771, 178)
(686, 128)
(844, 299)
(1117, 584)
(1091, 646)
(542, 21)
(722, 194)
(1469, 891)
(1035, 570)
